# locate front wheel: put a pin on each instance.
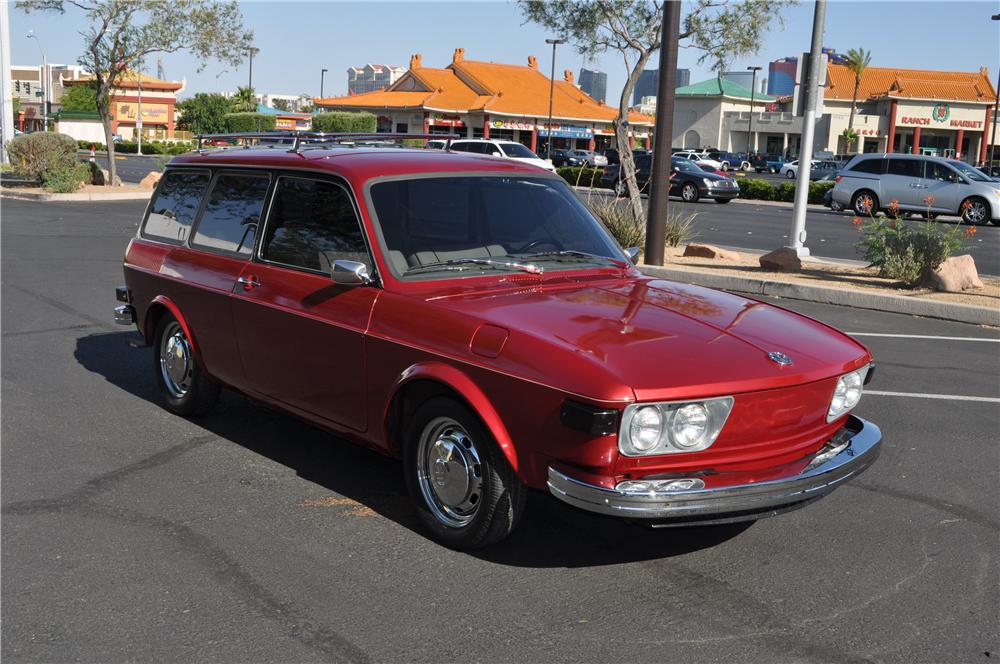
(465, 492)
(975, 211)
(689, 192)
(184, 387)
(865, 204)
(620, 188)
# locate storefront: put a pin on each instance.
(490, 100)
(140, 103)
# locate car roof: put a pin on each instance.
(357, 163)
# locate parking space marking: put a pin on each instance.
(920, 395)
(921, 336)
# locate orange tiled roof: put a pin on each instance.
(911, 84)
(490, 87)
(128, 80)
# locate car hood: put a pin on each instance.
(541, 163)
(652, 339)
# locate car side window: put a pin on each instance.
(176, 203)
(912, 168)
(311, 224)
(232, 213)
(460, 147)
(868, 166)
(940, 172)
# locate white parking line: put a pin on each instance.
(919, 395)
(921, 336)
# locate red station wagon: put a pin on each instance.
(472, 317)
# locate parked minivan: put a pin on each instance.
(929, 185)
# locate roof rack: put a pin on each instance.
(300, 139)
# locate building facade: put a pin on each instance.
(649, 80)
(30, 84)
(595, 84)
(491, 100)
(370, 78)
(139, 103)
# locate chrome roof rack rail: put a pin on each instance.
(299, 140)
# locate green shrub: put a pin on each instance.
(243, 122)
(66, 179)
(756, 189)
(785, 192)
(579, 176)
(34, 155)
(817, 190)
(343, 121)
(86, 145)
(680, 228)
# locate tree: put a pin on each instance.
(850, 135)
(244, 101)
(281, 104)
(123, 32)
(718, 28)
(204, 113)
(857, 62)
(80, 98)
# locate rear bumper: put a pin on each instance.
(847, 454)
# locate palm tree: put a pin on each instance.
(244, 101)
(858, 60)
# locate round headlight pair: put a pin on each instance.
(666, 428)
(646, 427)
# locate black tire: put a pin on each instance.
(977, 213)
(723, 200)
(621, 189)
(185, 390)
(790, 175)
(865, 203)
(689, 192)
(490, 503)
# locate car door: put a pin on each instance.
(903, 182)
(944, 185)
(300, 335)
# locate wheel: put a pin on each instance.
(689, 192)
(772, 170)
(865, 203)
(465, 492)
(184, 387)
(759, 170)
(723, 200)
(725, 165)
(620, 188)
(790, 175)
(976, 212)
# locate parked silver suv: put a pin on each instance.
(869, 182)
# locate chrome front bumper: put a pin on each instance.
(851, 451)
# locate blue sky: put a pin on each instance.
(297, 39)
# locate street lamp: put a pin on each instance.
(322, 73)
(753, 88)
(253, 51)
(996, 106)
(44, 81)
(552, 90)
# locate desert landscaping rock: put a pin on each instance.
(710, 251)
(956, 274)
(782, 260)
(150, 181)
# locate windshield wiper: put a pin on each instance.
(576, 254)
(457, 263)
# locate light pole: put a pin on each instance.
(322, 73)
(753, 87)
(552, 90)
(138, 114)
(996, 106)
(44, 81)
(253, 51)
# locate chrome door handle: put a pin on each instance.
(248, 282)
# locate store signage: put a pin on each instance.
(153, 113)
(940, 112)
(510, 124)
(868, 132)
(441, 120)
(567, 131)
(941, 115)
(967, 124)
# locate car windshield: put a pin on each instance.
(968, 171)
(518, 150)
(447, 226)
(580, 153)
(686, 166)
(708, 168)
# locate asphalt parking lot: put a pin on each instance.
(247, 536)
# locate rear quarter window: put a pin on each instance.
(232, 213)
(873, 166)
(173, 208)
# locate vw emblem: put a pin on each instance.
(779, 358)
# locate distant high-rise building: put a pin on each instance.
(742, 78)
(649, 81)
(781, 72)
(594, 83)
(371, 77)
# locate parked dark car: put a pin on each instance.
(567, 158)
(687, 180)
(612, 155)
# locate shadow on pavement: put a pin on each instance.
(551, 534)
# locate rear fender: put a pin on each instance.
(171, 306)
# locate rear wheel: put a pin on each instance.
(975, 211)
(689, 192)
(620, 188)
(865, 203)
(790, 174)
(464, 490)
(184, 387)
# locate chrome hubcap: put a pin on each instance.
(864, 205)
(976, 212)
(689, 193)
(176, 362)
(449, 472)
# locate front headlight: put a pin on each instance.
(847, 393)
(672, 427)
(708, 183)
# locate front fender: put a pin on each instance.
(459, 382)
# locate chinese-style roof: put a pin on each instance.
(131, 80)
(488, 87)
(720, 87)
(911, 84)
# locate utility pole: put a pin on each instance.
(753, 88)
(6, 89)
(322, 74)
(552, 91)
(659, 205)
(996, 107)
(812, 83)
(43, 79)
(253, 51)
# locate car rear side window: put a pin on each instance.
(232, 213)
(911, 168)
(311, 224)
(175, 205)
(868, 166)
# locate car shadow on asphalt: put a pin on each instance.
(551, 534)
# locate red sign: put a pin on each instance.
(968, 124)
(914, 121)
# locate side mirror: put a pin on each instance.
(350, 273)
(633, 254)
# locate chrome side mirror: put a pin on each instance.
(633, 254)
(350, 273)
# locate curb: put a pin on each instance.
(120, 196)
(899, 304)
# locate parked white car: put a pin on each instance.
(698, 157)
(791, 169)
(504, 149)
